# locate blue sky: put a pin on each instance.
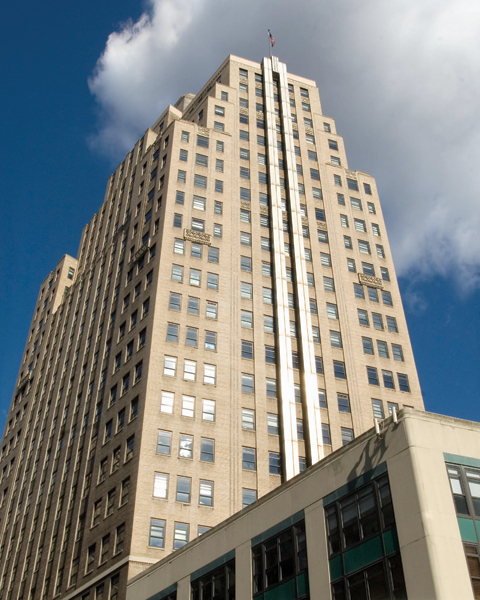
(82, 82)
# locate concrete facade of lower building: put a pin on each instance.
(394, 514)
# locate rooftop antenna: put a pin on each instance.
(394, 414)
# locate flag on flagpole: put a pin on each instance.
(272, 41)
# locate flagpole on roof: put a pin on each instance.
(272, 42)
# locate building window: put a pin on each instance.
(271, 385)
(387, 298)
(185, 447)
(351, 265)
(319, 365)
(246, 318)
(172, 332)
(367, 345)
(247, 383)
(388, 381)
(377, 320)
(328, 284)
(326, 434)
(124, 491)
(352, 184)
(377, 408)
(322, 236)
(183, 489)
(465, 485)
(382, 349)
(177, 273)
(160, 486)
(349, 523)
(219, 583)
(178, 247)
(245, 238)
(248, 419)
(332, 312)
(364, 247)
(247, 350)
(372, 375)
(164, 441)
(343, 403)
(246, 290)
(403, 383)
(212, 281)
(347, 435)
(157, 533)
(372, 294)
(208, 410)
(205, 497)
(322, 398)
(280, 558)
(397, 352)
(392, 324)
(195, 277)
(267, 295)
(129, 448)
(274, 466)
(188, 406)
(246, 264)
(207, 450)
(191, 338)
(272, 423)
(248, 497)
(245, 217)
(180, 535)
(268, 324)
(190, 370)
(339, 369)
(360, 225)
(248, 459)
(335, 339)
(210, 340)
(175, 301)
(210, 374)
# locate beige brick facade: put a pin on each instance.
(220, 245)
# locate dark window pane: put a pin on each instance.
(356, 585)
(377, 583)
(351, 531)
(398, 580)
(368, 512)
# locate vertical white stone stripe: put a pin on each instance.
(312, 426)
(285, 387)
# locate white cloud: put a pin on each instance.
(401, 79)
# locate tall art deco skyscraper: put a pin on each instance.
(232, 317)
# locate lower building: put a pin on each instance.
(393, 515)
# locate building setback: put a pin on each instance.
(392, 516)
(232, 317)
